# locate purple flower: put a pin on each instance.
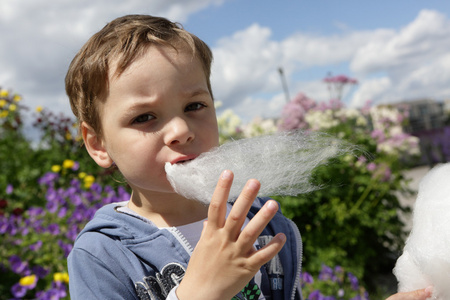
(307, 278)
(18, 290)
(35, 211)
(326, 273)
(17, 265)
(51, 294)
(353, 281)
(96, 188)
(40, 271)
(48, 178)
(9, 189)
(76, 200)
(51, 206)
(72, 232)
(65, 247)
(123, 194)
(53, 229)
(62, 212)
(316, 295)
(76, 166)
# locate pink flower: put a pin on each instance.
(293, 114)
(342, 79)
(371, 167)
(387, 174)
(378, 135)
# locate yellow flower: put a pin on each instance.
(2, 102)
(4, 114)
(4, 93)
(81, 175)
(88, 181)
(17, 98)
(27, 280)
(61, 277)
(12, 107)
(56, 168)
(68, 164)
(68, 136)
(39, 109)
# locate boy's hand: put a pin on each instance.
(414, 295)
(224, 260)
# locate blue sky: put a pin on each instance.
(397, 50)
(316, 17)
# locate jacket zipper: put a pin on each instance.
(180, 237)
(299, 259)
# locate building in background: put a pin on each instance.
(429, 121)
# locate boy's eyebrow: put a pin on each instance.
(188, 94)
(196, 92)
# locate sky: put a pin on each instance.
(396, 50)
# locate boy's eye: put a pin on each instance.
(143, 118)
(195, 106)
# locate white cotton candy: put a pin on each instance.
(282, 162)
(426, 257)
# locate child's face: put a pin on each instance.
(159, 110)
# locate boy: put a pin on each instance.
(140, 89)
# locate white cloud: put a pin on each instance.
(427, 37)
(414, 62)
(370, 89)
(40, 37)
(245, 63)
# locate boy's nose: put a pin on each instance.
(178, 132)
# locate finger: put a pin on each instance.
(257, 224)
(217, 208)
(422, 294)
(265, 254)
(240, 209)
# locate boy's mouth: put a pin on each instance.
(183, 159)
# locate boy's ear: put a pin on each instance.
(95, 146)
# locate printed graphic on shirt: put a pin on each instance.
(273, 267)
(158, 287)
(250, 292)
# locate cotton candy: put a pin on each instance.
(282, 162)
(426, 257)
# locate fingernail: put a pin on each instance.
(282, 237)
(226, 174)
(429, 290)
(272, 205)
(253, 184)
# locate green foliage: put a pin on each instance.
(353, 220)
(23, 161)
(49, 189)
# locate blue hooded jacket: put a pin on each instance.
(120, 256)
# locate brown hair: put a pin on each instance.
(122, 41)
